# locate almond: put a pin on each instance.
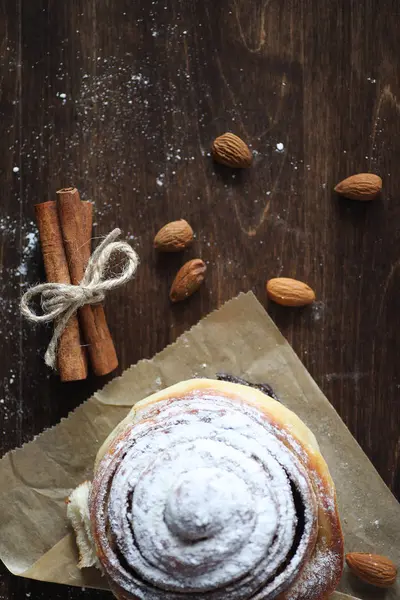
(372, 568)
(289, 292)
(231, 151)
(188, 280)
(363, 186)
(174, 236)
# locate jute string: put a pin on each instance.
(59, 301)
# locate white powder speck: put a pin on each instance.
(317, 310)
(280, 147)
(15, 169)
(31, 241)
(22, 269)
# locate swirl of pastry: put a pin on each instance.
(199, 494)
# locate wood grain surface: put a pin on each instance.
(122, 99)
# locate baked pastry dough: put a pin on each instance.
(213, 491)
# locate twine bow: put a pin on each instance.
(59, 301)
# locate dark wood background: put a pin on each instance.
(122, 99)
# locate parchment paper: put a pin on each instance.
(240, 339)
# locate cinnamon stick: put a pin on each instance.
(92, 318)
(87, 226)
(71, 357)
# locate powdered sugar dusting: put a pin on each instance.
(167, 490)
(317, 573)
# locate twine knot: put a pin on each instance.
(60, 301)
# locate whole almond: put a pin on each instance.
(231, 151)
(188, 280)
(363, 186)
(174, 236)
(289, 292)
(372, 568)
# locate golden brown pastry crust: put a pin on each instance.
(321, 569)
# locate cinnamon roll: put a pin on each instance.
(214, 491)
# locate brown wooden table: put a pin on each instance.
(122, 99)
